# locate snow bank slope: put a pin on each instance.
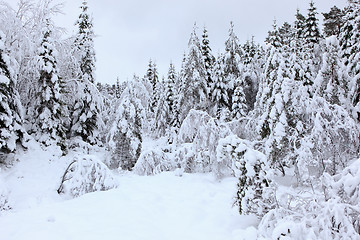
(164, 206)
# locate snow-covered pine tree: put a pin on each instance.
(193, 88)
(333, 21)
(273, 37)
(162, 110)
(152, 77)
(286, 33)
(350, 48)
(125, 135)
(219, 89)
(208, 59)
(11, 124)
(85, 110)
(335, 133)
(239, 104)
(275, 109)
(312, 31)
(232, 60)
(48, 126)
(170, 90)
(299, 24)
(332, 82)
(84, 43)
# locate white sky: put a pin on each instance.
(131, 32)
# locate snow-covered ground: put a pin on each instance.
(170, 205)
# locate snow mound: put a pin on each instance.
(152, 162)
(86, 174)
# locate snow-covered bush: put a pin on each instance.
(86, 174)
(4, 201)
(153, 162)
(125, 134)
(330, 212)
(255, 194)
(204, 133)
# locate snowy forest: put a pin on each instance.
(281, 117)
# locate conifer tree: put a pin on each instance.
(349, 40)
(312, 32)
(193, 89)
(48, 126)
(208, 58)
(273, 37)
(299, 24)
(86, 107)
(84, 43)
(11, 123)
(219, 90)
(239, 105)
(333, 21)
(232, 61)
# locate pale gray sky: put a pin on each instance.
(133, 31)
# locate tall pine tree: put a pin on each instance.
(48, 125)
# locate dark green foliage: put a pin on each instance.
(333, 21)
(312, 32)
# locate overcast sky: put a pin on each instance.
(131, 32)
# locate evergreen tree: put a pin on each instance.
(11, 124)
(350, 50)
(48, 126)
(312, 32)
(117, 88)
(286, 33)
(193, 89)
(170, 88)
(208, 58)
(333, 21)
(125, 134)
(299, 24)
(85, 109)
(232, 59)
(84, 43)
(219, 90)
(153, 77)
(239, 105)
(273, 37)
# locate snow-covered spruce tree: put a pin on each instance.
(219, 89)
(350, 48)
(84, 43)
(87, 104)
(333, 21)
(253, 61)
(277, 116)
(255, 194)
(48, 126)
(273, 37)
(162, 110)
(232, 61)
(312, 31)
(11, 124)
(193, 89)
(208, 59)
(239, 104)
(125, 135)
(335, 132)
(152, 77)
(286, 33)
(299, 24)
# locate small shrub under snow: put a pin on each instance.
(153, 162)
(84, 175)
